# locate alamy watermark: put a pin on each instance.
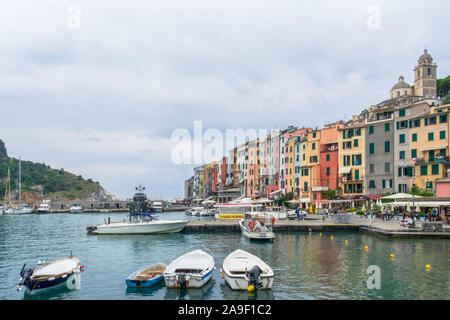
(373, 21)
(73, 21)
(211, 144)
(374, 279)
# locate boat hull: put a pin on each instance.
(144, 283)
(141, 228)
(67, 281)
(192, 280)
(241, 282)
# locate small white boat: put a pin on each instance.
(19, 210)
(193, 211)
(256, 230)
(242, 269)
(207, 213)
(191, 270)
(76, 208)
(44, 207)
(56, 274)
(143, 223)
(156, 206)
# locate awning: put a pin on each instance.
(433, 148)
(305, 200)
(345, 170)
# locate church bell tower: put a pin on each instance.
(425, 83)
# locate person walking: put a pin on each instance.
(297, 213)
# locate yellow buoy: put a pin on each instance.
(392, 256)
(332, 237)
(250, 288)
(346, 241)
(320, 234)
(366, 248)
(428, 267)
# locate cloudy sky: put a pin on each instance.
(98, 87)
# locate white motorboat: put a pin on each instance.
(191, 270)
(141, 224)
(76, 208)
(156, 206)
(195, 211)
(207, 213)
(19, 210)
(242, 269)
(44, 207)
(256, 230)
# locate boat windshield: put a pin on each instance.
(143, 216)
(188, 271)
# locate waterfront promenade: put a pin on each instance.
(316, 223)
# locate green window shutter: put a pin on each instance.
(387, 126)
(426, 121)
(431, 155)
(356, 174)
(370, 129)
(414, 153)
(399, 171)
(384, 184)
(327, 157)
(414, 137)
(328, 171)
(423, 170)
(372, 148)
(387, 146)
(402, 154)
(430, 136)
(442, 135)
(435, 169)
(402, 138)
(443, 118)
(402, 113)
(355, 143)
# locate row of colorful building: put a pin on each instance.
(394, 146)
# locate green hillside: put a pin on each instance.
(443, 89)
(39, 177)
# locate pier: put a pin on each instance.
(314, 224)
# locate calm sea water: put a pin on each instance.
(306, 266)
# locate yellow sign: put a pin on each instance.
(230, 216)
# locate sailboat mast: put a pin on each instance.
(20, 182)
(9, 186)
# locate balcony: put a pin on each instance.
(420, 161)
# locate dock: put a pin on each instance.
(382, 228)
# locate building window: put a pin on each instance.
(414, 137)
(443, 118)
(435, 169)
(372, 184)
(402, 113)
(387, 167)
(423, 170)
(314, 146)
(356, 174)
(414, 153)
(402, 155)
(327, 171)
(355, 142)
(327, 157)
(314, 135)
(371, 168)
(387, 146)
(442, 135)
(402, 138)
(372, 148)
(387, 126)
(429, 185)
(430, 136)
(371, 130)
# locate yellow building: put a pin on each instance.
(351, 156)
(429, 145)
(290, 166)
(309, 176)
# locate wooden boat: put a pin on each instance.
(256, 230)
(146, 277)
(56, 274)
(191, 270)
(242, 269)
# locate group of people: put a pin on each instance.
(300, 214)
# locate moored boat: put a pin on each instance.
(76, 208)
(44, 207)
(146, 277)
(256, 230)
(56, 274)
(242, 269)
(191, 270)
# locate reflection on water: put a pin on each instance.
(306, 265)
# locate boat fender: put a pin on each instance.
(251, 225)
(273, 220)
(81, 268)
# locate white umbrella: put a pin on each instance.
(400, 196)
(408, 208)
(363, 207)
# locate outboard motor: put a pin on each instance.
(25, 274)
(253, 276)
(182, 281)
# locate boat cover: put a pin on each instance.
(197, 259)
(57, 267)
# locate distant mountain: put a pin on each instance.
(40, 181)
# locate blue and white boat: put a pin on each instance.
(56, 274)
(191, 270)
(146, 277)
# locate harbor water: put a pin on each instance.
(306, 265)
